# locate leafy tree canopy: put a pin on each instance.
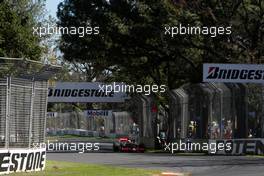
(132, 44)
(17, 18)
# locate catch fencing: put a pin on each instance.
(217, 111)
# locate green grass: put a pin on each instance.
(54, 168)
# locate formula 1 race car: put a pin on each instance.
(124, 144)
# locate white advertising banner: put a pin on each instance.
(52, 114)
(22, 160)
(83, 92)
(254, 146)
(98, 113)
(233, 73)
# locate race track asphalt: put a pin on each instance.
(197, 165)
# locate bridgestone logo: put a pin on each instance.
(19, 161)
(233, 74)
(83, 92)
(79, 93)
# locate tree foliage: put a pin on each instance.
(132, 44)
(17, 18)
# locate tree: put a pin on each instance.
(119, 48)
(132, 41)
(17, 18)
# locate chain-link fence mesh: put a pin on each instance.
(23, 111)
(3, 92)
(217, 111)
(39, 111)
(23, 102)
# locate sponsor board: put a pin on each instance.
(83, 92)
(98, 113)
(52, 114)
(242, 146)
(19, 160)
(233, 73)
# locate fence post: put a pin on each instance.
(31, 113)
(262, 114)
(8, 98)
(45, 115)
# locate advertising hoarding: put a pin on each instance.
(233, 73)
(242, 146)
(83, 92)
(98, 113)
(22, 160)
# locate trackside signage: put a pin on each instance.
(22, 160)
(98, 113)
(253, 146)
(233, 73)
(83, 92)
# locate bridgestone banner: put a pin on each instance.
(22, 160)
(233, 73)
(83, 92)
(242, 146)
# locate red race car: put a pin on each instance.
(124, 144)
